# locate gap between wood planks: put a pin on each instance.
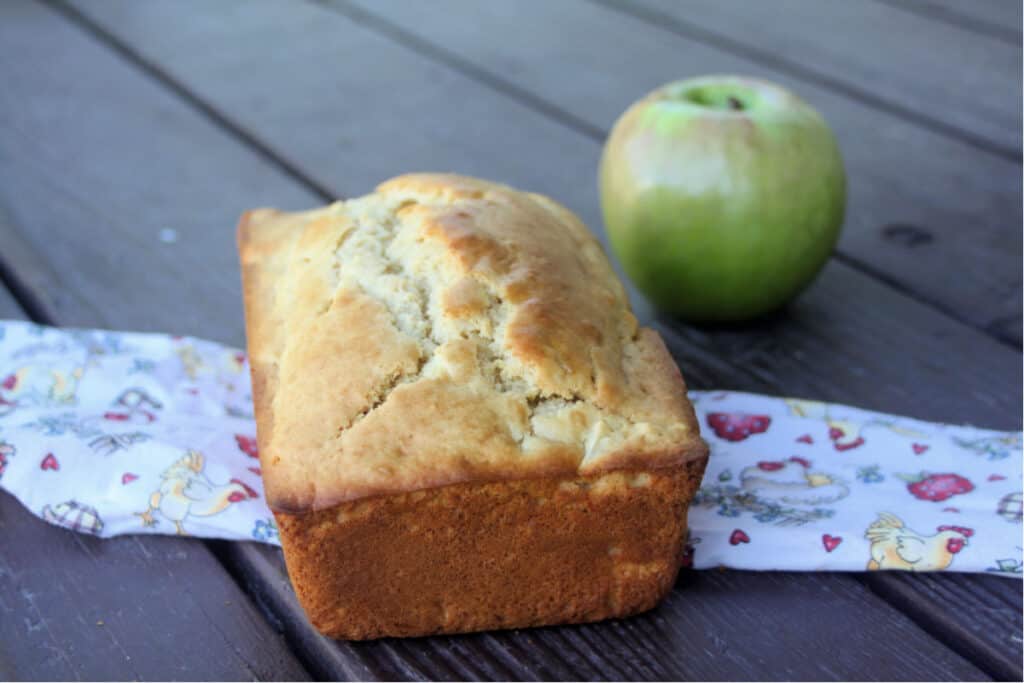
(954, 17)
(723, 42)
(154, 71)
(246, 137)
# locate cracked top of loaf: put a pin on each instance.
(446, 329)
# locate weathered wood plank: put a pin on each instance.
(931, 72)
(911, 191)
(349, 135)
(78, 608)
(705, 630)
(105, 140)
(993, 629)
(9, 308)
(843, 344)
(997, 18)
(407, 75)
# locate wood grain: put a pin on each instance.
(911, 191)
(999, 19)
(991, 632)
(927, 71)
(186, 138)
(68, 104)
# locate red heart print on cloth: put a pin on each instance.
(806, 438)
(49, 463)
(247, 445)
(128, 478)
(831, 542)
(738, 536)
(919, 448)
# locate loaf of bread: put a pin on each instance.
(461, 425)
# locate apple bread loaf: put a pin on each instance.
(461, 425)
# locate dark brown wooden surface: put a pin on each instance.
(142, 116)
(1000, 19)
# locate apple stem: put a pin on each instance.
(735, 104)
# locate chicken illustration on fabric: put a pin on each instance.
(185, 491)
(39, 385)
(992, 447)
(791, 481)
(845, 435)
(782, 492)
(894, 546)
(191, 361)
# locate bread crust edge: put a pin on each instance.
(480, 556)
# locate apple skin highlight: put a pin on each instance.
(723, 196)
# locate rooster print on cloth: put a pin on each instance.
(110, 433)
(185, 491)
(894, 546)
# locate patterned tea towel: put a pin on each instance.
(113, 433)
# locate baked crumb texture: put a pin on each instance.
(461, 425)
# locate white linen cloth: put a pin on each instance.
(113, 433)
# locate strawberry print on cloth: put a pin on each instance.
(109, 433)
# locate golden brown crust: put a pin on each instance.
(511, 554)
(441, 330)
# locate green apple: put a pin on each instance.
(723, 196)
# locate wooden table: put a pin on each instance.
(133, 134)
